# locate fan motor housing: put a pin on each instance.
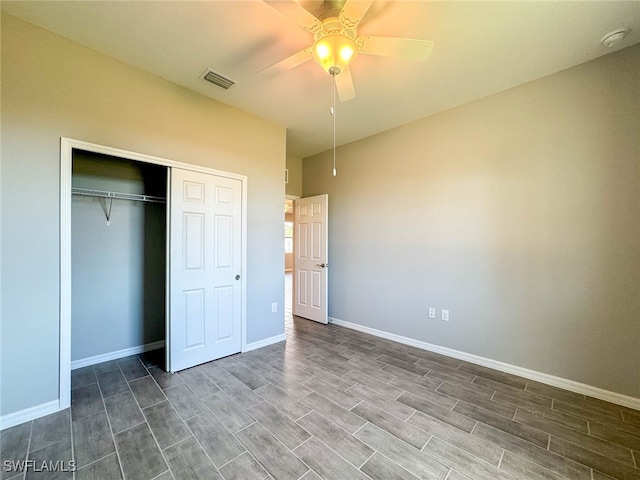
(334, 25)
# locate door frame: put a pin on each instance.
(67, 145)
(292, 197)
(326, 259)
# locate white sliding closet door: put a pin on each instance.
(205, 259)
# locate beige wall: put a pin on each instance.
(52, 87)
(294, 165)
(519, 213)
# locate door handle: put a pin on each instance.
(322, 265)
(237, 277)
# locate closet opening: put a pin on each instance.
(118, 258)
(123, 291)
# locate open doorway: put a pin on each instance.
(288, 258)
(306, 245)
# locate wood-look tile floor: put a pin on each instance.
(330, 403)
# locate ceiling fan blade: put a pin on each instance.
(287, 64)
(410, 48)
(296, 13)
(344, 85)
(353, 11)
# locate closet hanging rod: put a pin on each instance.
(117, 195)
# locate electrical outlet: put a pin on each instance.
(274, 307)
(432, 312)
(445, 315)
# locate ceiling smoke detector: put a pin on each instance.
(614, 38)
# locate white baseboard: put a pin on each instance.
(16, 418)
(573, 386)
(38, 411)
(264, 343)
(105, 357)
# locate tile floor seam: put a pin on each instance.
(97, 460)
(113, 436)
(160, 475)
(286, 447)
(462, 449)
(369, 458)
(303, 462)
(73, 449)
(147, 422)
(153, 404)
(359, 428)
(474, 427)
(501, 458)
(243, 428)
(28, 452)
(597, 453)
(307, 472)
(201, 447)
(302, 416)
(338, 454)
(128, 428)
(179, 441)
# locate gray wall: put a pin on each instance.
(518, 212)
(118, 270)
(52, 87)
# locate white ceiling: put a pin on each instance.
(481, 48)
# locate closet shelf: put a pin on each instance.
(117, 195)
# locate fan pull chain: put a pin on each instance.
(333, 114)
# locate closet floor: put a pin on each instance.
(329, 403)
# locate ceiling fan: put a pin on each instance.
(337, 44)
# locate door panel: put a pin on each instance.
(205, 257)
(224, 311)
(303, 240)
(224, 241)
(194, 318)
(311, 258)
(302, 289)
(193, 241)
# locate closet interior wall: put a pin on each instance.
(119, 267)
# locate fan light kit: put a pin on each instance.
(334, 52)
(337, 44)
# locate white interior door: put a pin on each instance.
(205, 266)
(310, 235)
